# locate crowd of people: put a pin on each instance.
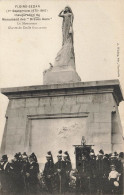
(94, 174)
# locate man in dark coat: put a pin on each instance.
(85, 174)
(92, 165)
(24, 171)
(60, 172)
(100, 171)
(106, 169)
(32, 175)
(113, 159)
(49, 172)
(120, 168)
(17, 176)
(4, 171)
(68, 168)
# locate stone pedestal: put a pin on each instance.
(60, 75)
(53, 117)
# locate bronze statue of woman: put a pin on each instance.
(67, 26)
(65, 57)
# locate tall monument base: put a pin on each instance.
(53, 117)
(60, 75)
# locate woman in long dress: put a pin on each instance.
(65, 56)
(67, 26)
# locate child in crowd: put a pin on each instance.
(113, 180)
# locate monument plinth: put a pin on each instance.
(52, 117)
(64, 69)
(60, 75)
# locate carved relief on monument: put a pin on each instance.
(58, 133)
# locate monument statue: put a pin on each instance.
(67, 26)
(63, 70)
(65, 56)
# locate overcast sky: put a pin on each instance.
(25, 54)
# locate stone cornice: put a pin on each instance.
(80, 88)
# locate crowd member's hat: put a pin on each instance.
(24, 155)
(67, 154)
(59, 153)
(121, 155)
(33, 156)
(16, 155)
(101, 152)
(4, 157)
(19, 154)
(115, 153)
(110, 155)
(49, 154)
(116, 183)
(92, 150)
(106, 155)
(92, 153)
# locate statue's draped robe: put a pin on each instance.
(64, 69)
(65, 56)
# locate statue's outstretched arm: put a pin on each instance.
(61, 14)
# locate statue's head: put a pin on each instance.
(68, 9)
